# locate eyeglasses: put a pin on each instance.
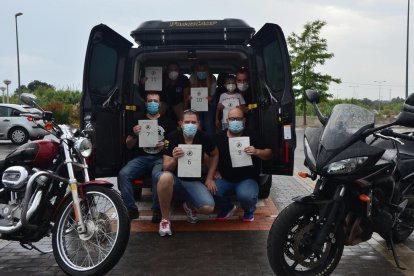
(232, 119)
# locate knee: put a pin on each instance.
(247, 197)
(165, 179)
(206, 209)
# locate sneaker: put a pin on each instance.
(191, 214)
(248, 217)
(133, 214)
(156, 216)
(165, 228)
(225, 214)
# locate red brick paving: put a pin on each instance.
(263, 219)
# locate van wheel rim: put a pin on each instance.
(18, 136)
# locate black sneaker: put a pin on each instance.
(133, 214)
(156, 216)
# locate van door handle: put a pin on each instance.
(6, 120)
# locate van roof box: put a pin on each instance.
(207, 32)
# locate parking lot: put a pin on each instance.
(209, 248)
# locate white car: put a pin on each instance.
(19, 129)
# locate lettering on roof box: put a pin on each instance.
(192, 23)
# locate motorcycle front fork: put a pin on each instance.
(331, 214)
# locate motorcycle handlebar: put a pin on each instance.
(390, 132)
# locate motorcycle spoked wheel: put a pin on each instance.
(403, 230)
(101, 247)
(289, 236)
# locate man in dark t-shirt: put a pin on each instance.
(232, 179)
(197, 195)
(147, 158)
(175, 87)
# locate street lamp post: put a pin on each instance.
(18, 60)
(354, 93)
(2, 90)
(379, 93)
(7, 82)
(406, 56)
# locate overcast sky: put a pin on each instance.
(368, 37)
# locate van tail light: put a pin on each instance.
(284, 152)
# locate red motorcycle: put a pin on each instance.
(46, 190)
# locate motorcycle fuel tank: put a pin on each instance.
(39, 154)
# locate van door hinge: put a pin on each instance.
(163, 36)
(131, 107)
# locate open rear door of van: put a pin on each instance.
(276, 99)
(102, 97)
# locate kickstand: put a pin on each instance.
(391, 247)
(30, 246)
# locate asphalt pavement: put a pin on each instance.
(211, 252)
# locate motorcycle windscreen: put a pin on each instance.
(275, 97)
(345, 121)
(102, 97)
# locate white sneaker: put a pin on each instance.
(165, 228)
(191, 214)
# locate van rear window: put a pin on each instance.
(102, 69)
(275, 76)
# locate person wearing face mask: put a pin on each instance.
(147, 159)
(242, 82)
(226, 99)
(195, 192)
(202, 77)
(176, 85)
(241, 181)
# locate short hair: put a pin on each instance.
(154, 93)
(190, 112)
(243, 70)
(230, 77)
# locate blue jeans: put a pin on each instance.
(246, 191)
(134, 169)
(207, 119)
(193, 192)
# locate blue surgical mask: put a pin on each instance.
(201, 75)
(153, 107)
(190, 130)
(236, 126)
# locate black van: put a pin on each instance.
(113, 67)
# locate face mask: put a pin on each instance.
(153, 107)
(173, 75)
(231, 87)
(189, 130)
(201, 75)
(236, 126)
(242, 86)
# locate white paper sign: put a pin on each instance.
(287, 131)
(189, 165)
(199, 100)
(148, 136)
(228, 105)
(238, 157)
(153, 77)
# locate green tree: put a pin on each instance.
(308, 50)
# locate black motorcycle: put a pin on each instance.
(365, 184)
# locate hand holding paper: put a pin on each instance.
(189, 165)
(148, 136)
(237, 146)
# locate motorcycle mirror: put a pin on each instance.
(312, 96)
(28, 99)
(409, 104)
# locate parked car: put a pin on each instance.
(19, 129)
(113, 69)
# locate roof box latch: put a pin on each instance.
(225, 34)
(163, 36)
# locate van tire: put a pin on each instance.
(265, 185)
(18, 135)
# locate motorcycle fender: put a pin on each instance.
(81, 192)
(312, 200)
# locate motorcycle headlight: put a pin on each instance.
(309, 153)
(83, 146)
(346, 165)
